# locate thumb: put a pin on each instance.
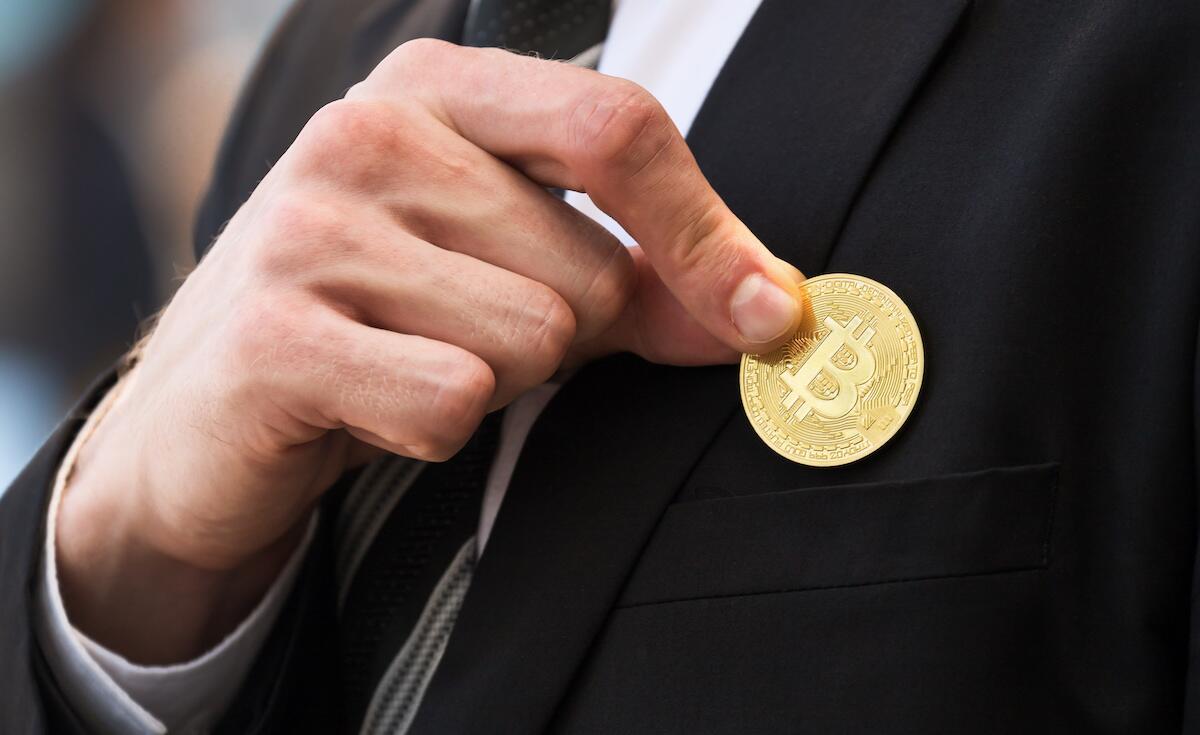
(657, 327)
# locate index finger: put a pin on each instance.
(574, 128)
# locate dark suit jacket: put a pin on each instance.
(1018, 559)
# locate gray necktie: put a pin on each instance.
(423, 537)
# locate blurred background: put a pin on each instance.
(111, 112)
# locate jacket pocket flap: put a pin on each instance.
(995, 520)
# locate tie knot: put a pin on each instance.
(553, 29)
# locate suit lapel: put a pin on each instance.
(803, 107)
(787, 135)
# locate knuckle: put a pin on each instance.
(460, 394)
(348, 138)
(549, 330)
(351, 121)
(610, 290)
(623, 127)
(706, 244)
(358, 90)
(411, 58)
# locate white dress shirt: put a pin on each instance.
(673, 48)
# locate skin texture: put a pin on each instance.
(399, 273)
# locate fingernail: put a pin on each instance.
(761, 310)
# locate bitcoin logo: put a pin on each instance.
(861, 370)
(845, 383)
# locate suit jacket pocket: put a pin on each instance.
(996, 520)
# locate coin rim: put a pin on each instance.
(920, 380)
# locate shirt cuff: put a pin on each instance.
(111, 694)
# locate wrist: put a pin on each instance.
(146, 605)
(120, 584)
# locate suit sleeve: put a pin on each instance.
(1191, 697)
(30, 700)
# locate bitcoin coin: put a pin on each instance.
(847, 380)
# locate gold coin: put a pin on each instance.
(843, 386)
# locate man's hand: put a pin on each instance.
(400, 272)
